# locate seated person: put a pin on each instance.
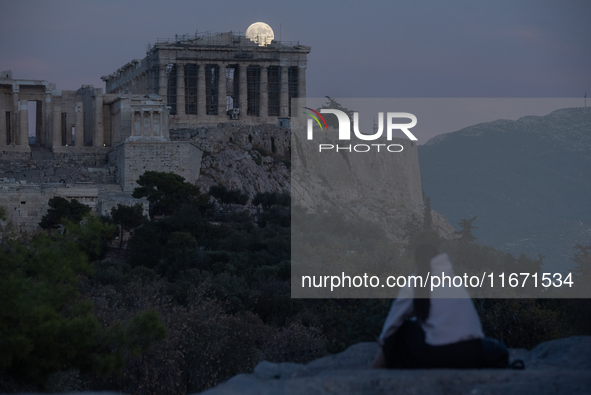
(439, 329)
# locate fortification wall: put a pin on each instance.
(84, 164)
(26, 204)
(133, 158)
(95, 156)
(106, 202)
(15, 152)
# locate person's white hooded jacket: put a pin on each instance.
(452, 316)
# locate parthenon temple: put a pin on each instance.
(200, 79)
(205, 78)
(212, 86)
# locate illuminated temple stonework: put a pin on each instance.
(92, 145)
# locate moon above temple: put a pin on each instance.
(260, 33)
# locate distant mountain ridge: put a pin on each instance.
(528, 181)
(576, 138)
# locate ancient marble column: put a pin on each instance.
(302, 81)
(57, 126)
(284, 98)
(136, 123)
(3, 130)
(162, 83)
(222, 98)
(264, 103)
(243, 94)
(201, 99)
(152, 133)
(15, 118)
(97, 139)
(79, 125)
(24, 123)
(47, 110)
(40, 124)
(180, 89)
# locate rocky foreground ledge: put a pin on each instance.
(555, 367)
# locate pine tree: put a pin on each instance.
(583, 260)
(168, 192)
(60, 210)
(47, 325)
(128, 218)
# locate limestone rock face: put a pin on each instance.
(253, 158)
(556, 367)
(239, 168)
(382, 187)
(271, 138)
(257, 158)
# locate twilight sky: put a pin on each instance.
(359, 48)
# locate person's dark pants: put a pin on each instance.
(407, 349)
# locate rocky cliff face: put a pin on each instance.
(251, 158)
(241, 168)
(384, 189)
(556, 367)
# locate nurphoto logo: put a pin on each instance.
(345, 130)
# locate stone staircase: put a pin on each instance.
(40, 153)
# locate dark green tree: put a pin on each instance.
(276, 208)
(61, 209)
(47, 326)
(179, 253)
(582, 272)
(582, 258)
(3, 224)
(128, 218)
(270, 199)
(275, 215)
(529, 265)
(147, 246)
(415, 234)
(465, 232)
(228, 196)
(412, 226)
(167, 192)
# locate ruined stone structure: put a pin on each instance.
(15, 97)
(207, 79)
(93, 146)
(134, 158)
(26, 204)
(213, 108)
(74, 121)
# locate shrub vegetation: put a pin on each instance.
(201, 297)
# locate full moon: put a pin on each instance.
(260, 33)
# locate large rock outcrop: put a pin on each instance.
(555, 367)
(253, 158)
(384, 189)
(247, 170)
